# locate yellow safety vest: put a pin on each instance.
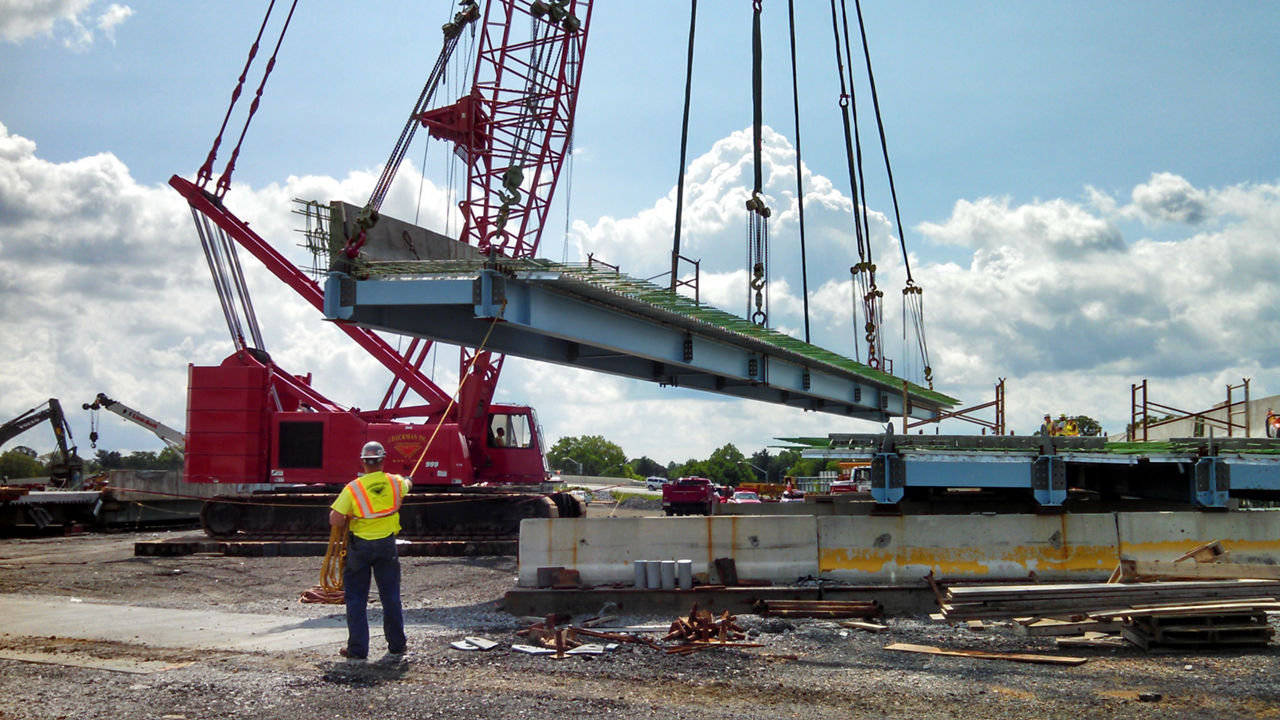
(376, 514)
(369, 506)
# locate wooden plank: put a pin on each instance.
(822, 604)
(984, 655)
(1109, 597)
(727, 570)
(1049, 627)
(863, 625)
(984, 592)
(1190, 609)
(1102, 642)
(1209, 552)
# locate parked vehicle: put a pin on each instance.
(655, 483)
(792, 494)
(689, 496)
(745, 497)
(854, 477)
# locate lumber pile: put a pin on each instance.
(1080, 600)
(1206, 603)
(818, 608)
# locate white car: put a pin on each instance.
(655, 483)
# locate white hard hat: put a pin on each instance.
(372, 451)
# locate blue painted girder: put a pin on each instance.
(549, 315)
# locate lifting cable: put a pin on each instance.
(568, 196)
(912, 294)
(206, 171)
(467, 16)
(795, 101)
(224, 182)
(864, 272)
(757, 212)
(684, 145)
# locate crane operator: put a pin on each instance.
(369, 507)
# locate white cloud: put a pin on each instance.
(104, 288)
(1169, 198)
(111, 18)
(1055, 227)
(67, 19)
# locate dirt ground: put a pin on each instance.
(807, 668)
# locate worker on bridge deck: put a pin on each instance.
(1048, 428)
(369, 507)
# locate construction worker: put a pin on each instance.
(1273, 424)
(369, 507)
(1047, 428)
(1070, 428)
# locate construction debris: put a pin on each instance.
(532, 650)
(702, 629)
(545, 635)
(473, 643)
(819, 608)
(984, 655)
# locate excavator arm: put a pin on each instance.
(67, 470)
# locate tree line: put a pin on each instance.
(593, 455)
(17, 464)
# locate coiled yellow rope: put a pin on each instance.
(329, 591)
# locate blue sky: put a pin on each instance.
(1089, 191)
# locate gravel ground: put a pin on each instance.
(808, 668)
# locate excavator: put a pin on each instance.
(281, 447)
(67, 469)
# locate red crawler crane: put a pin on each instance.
(251, 422)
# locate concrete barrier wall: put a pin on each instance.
(780, 549)
(905, 549)
(893, 550)
(1251, 536)
(152, 485)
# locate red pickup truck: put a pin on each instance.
(690, 496)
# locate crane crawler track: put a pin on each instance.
(471, 515)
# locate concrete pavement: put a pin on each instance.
(63, 617)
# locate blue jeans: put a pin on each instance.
(379, 559)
